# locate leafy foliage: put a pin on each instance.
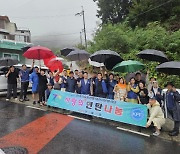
(140, 12)
(128, 42)
(144, 11)
(113, 11)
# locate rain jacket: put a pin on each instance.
(174, 99)
(34, 79)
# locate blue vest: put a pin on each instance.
(24, 75)
(111, 86)
(85, 88)
(104, 87)
(170, 100)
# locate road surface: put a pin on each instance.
(45, 132)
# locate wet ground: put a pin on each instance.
(45, 132)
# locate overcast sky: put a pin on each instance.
(52, 20)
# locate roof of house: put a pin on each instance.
(12, 45)
(6, 18)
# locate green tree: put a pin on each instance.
(113, 11)
(165, 11)
(129, 42)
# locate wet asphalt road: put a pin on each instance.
(50, 133)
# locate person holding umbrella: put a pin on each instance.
(93, 79)
(171, 106)
(12, 76)
(42, 87)
(138, 78)
(24, 77)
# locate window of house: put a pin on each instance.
(19, 38)
(3, 37)
(11, 55)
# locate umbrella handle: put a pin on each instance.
(39, 64)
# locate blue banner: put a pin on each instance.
(135, 114)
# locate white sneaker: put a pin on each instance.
(156, 133)
(7, 99)
(16, 99)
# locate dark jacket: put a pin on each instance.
(71, 84)
(157, 96)
(171, 105)
(42, 82)
(103, 86)
(12, 78)
(110, 86)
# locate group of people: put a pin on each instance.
(136, 90)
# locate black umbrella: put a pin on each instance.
(25, 48)
(153, 55)
(102, 55)
(8, 62)
(66, 51)
(78, 55)
(112, 61)
(172, 68)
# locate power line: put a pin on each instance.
(37, 17)
(59, 35)
(153, 8)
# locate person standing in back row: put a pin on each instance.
(24, 77)
(132, 91)
(12, 76)
(71, 83)
(110, 86)
(42, 87)
(100, 87)
(34, 80)
(171, 106)
(84, 85)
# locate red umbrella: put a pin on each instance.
(55, 64)
(38, 53)
(46, 61)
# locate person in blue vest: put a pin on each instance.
(50, 78)
(80, 77)
(24, 77)
(100, 87)
(110, 85)
(48, 92)
(34, 80)
(85, 84)
(71, 83)
(171, 100)
(64, 78)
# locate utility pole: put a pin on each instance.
(81, 38)
(82, 13)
